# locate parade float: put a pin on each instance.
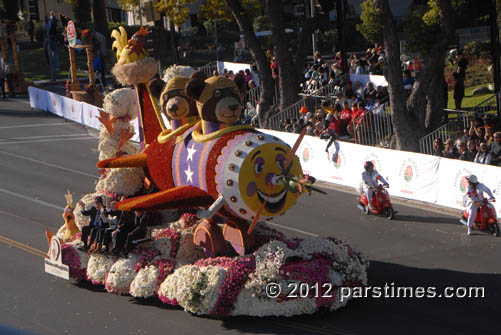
(212, 185)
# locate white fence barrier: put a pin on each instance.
(364, 78)
(70, 109)
(411, 175)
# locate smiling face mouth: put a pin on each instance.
(274, 202)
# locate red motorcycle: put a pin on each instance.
(380, 201)
(485, 218)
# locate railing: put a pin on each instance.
(208, 69)
(374, 127)
(328, 90)
(254, 94)
(464, 117)
(292, 112)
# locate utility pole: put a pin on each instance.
(495, 51)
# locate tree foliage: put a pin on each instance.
(128, 4)
(372, 22)
(175, 10)
(422, 27)
(81, 11)
(218, 10)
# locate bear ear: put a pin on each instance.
(194, 88)
(156, 86)
(198, 75)
(240, 81)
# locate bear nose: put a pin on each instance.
(173, 108)
(234, 107)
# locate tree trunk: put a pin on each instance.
(263, 68)
(81, 12)
(419, 113)
(100, 20)
(160, 43)
(290, 69)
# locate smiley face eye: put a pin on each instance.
(280, 159)
(259, 166)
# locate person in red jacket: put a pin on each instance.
(345, 117)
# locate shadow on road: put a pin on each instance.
(427, 219)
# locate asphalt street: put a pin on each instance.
(42, 156)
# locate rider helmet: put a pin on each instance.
(472, 179)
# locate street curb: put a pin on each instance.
(398, 200)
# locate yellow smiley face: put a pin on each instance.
(257, 179)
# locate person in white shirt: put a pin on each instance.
(483, 156)
(370, 179)
(475, 197)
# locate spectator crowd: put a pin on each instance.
(481, 143)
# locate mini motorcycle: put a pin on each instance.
(380, 201)
(485, 218)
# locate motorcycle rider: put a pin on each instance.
(475, 197)
(370, 178)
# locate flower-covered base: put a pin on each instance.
(308, 272)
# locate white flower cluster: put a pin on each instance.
(97, 268)
(145, 283)
(177, 70)
(196, 289)
(126, 181)
(121, 274)
(121, 103)
(109, 143)
(269, 258)
(81, 220)
(247, 304)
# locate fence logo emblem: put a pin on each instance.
(54, 102)
(408, 173)
(460, 180)
(409, 170)
(307, 152)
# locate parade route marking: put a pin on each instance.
(48, 164)
(52, 140)
(37, 125)
(41, 202)
(43, 136)
(25, 219)
(22, 246)
(293, 229)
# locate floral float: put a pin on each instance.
(173, 269)
(197, 262)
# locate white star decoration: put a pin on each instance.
(191, 152)
(189, 174)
